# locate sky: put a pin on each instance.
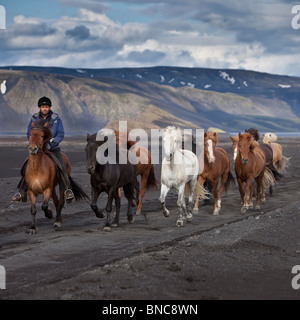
(233, 34)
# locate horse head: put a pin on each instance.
(254, 133)
(172, 141)
(90, 152)
(39, 135)
(244, 146)
(210, 142)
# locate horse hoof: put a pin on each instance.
(189, 217)
(167, 213)
(100, 214)
(130, 218)
(257, 208)
(216, 212)
(107, 229)
(195, 210)
(179, 223)
(57, 226)
(31, 231)
(114, 224)
(243, 210)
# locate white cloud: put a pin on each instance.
(216, 34)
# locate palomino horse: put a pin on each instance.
(42, 178)
(179, 170)
(216, 166)
(250, 165)
(145, 168)
(109, 177)
(277, 152)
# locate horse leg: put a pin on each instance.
(129, 193)
(181, 205)
(59, 203)
(95, 194)
(118, 208)
(142, 193)
(259, 180)
(163, 193)
(32, 197)
(247, 189)
(108, 208)
(251, 195)
(48, 212)
(196, 205)
(217, 197)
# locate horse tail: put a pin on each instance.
(268, 179)
(285, 164)
(230, 180)
(200, 192)
(77, 190)
(276, 174)
(151, 181)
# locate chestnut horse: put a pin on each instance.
(41, 176)
(250, 165)
(216, 166)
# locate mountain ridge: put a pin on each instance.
(88, 99)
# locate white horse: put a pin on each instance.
(179, 170)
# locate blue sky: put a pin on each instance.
(253, 35)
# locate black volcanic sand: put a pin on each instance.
(231, 256)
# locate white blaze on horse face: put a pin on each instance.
(211, 157)
(235, 153)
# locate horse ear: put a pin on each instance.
(263, 135)
(232, 140)
(240, 135)
(215, 134)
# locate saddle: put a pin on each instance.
(58, 167)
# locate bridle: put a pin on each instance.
(41, 144)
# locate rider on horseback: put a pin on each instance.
(57, 129)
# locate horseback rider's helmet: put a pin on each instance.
(44, 101)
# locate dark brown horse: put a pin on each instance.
(42, 176)
(216, 168)
(250, 166)
(109, 176)
(145, 168)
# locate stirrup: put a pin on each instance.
(19, 197)
(69, 195)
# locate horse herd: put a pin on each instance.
(193, 176)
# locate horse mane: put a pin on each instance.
(211, 135)
(254, 133)
(177, 131)
(252, 141)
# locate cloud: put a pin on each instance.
(253, 35)
(79, 32)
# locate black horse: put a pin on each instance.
(109, 177)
